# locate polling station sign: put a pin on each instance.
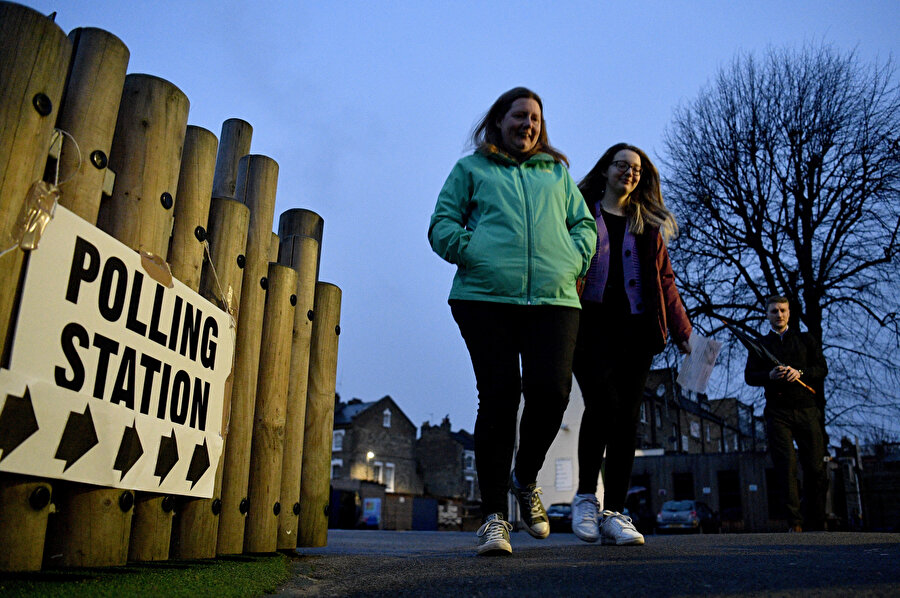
(115, 378)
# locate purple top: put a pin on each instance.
(598, 273)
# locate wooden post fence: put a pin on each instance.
(197, 528)
(269, 415)
(300, 252)
(34, 56)
(234, 144)
(88, 113)
(128, 162)
(256, 185)
(316, 468)
(146, 157)
(186, 257)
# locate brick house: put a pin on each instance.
(447, 462)
(374, 441)
(680, 421)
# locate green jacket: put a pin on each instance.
(519, 233)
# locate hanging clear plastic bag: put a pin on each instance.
(37, 211)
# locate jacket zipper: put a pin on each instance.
(529, 235)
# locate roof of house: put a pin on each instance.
(465, 439)
(345, 413)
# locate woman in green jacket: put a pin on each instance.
(515, 224)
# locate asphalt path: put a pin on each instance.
(390, 563)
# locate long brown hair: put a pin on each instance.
(486, 136)
(644, 206)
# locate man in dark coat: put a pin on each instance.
(792, 413)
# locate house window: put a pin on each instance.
(684, 443)
(643, 413)
(336, 465)
(469, 460)
(695, 429)
(736, 448)
(387, 418)
(470, 487)
(658, 417)
(337, 440)
(377, 471)
(388, 477)
(708, 434)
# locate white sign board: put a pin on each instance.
(114, 378)
(698, 364)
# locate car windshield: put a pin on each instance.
(678, 505)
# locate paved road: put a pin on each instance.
(384, 563)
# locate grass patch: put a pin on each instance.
(221, 577)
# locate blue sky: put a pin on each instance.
(367, 105)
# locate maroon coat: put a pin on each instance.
(659, 280)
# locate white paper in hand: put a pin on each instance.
(698, 364)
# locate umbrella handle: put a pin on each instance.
(805, 385)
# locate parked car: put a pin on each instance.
(560, 516)
(690, 516)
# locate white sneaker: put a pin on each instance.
(617, 529)
(584, 517)
(493, 536)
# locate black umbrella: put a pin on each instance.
(759, 350)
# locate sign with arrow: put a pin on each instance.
(116, 378)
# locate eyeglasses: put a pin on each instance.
(623, 166)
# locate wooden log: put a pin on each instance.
(303, 223)
(192, 205)
(316, 468)
(256, 187)
(191, 527)
(24, 508)
(223, 274)
(300, 253)
(91, 527)
(196, 525)
(88, 113)
(274, 243)
(234, 144)
(264, 490)
(146, 157)
(151, 527)
(34, 57)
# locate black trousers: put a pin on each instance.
(783, 427)
(611, 364)
(498, 335)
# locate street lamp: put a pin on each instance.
(369, 456)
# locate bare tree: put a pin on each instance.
(785, 176)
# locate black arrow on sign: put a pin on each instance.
(17, 422)
(167, 457)
(199, 463)
(78, 437)
(130, 450)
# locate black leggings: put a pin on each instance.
(611, 365)
(497, 335)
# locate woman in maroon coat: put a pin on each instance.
(629, 305)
